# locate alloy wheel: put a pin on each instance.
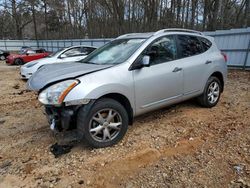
(213, 92)
(105, 125)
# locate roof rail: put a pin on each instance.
(177, 30)
(131, 34)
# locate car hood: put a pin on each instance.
(49, 74)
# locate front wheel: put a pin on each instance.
(105, 124)
(211, 94)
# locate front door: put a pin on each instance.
(160, 83)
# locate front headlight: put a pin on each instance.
(31, 64)
(55, 94)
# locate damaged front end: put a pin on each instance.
(62, 118)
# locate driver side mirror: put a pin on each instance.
(145, 62)
(142, 62)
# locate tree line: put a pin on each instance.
(66, 19)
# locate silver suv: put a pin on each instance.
(131, 75)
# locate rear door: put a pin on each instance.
(194, 63)
(161, 82)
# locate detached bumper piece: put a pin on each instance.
(59, 150)
(61, 118)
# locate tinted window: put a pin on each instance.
(189, 45)
(87, 50)
(40, 51)
(162, 50)
(205, 43)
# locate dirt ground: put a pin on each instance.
(180, 146)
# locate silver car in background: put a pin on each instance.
(131, 75)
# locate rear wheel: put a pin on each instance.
(105, 124)
(18, 62)
(212, 93)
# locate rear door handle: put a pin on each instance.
(208, 62)
(177, 69)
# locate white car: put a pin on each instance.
(74, 53)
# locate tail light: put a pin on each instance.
(225, 56)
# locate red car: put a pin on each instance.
(30, 55)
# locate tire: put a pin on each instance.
(18, 61)
(211, 97)
(104, 124)
(2, 57)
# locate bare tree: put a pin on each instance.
(53, 19)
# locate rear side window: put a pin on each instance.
(205, 43)
(189, 45)
(87, 50)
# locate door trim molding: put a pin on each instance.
(160, 101)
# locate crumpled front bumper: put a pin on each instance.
(61, 118)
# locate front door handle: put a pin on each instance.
(208, 62)
(177, 69)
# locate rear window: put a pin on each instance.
(205, 43)
(189, 45)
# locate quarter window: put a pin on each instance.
(162, 50)
(205, 43)
(189, 46)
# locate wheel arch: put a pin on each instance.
(219, 75)
(123, 100)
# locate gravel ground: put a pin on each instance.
(180, 146)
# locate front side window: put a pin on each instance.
(73, 52)
(189, 45)
(30, 52)
(56, 53)
(115, 52)
(41, 51)
(162, 50)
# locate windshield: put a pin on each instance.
(56, 53)
(115, 52)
